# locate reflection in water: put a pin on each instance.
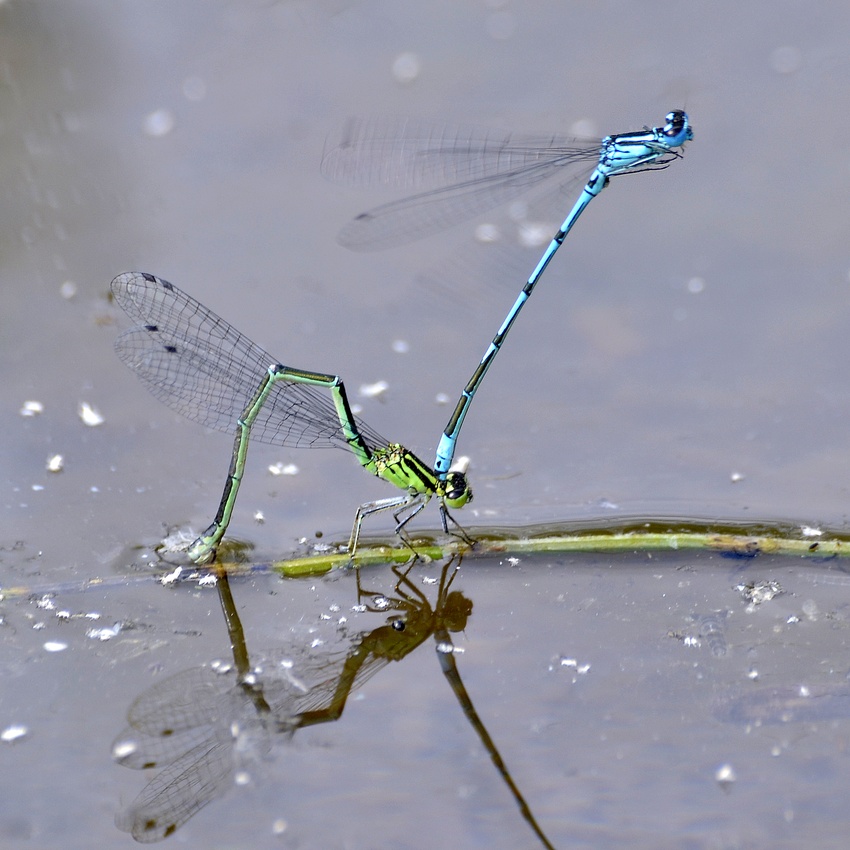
(785, 704)
(198, 726)
(712, 627)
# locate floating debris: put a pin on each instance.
(573, 664)
(736, 477)
(171, 578)
(810, 531)
(283, 469)
(106, 633)
(55, 646)
(13, 733)
(757, 592)
(31, 408)
(91, 416)
(373, 390)
(55, 463)
(725, 776)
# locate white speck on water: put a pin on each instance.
(572, 663)
(123, 749)
(735, 477)
(401, 346)
(810, 531)
(91, 416)
(55, 463)
(442, 398)
(171, 577)
(373, 390)
(68, 290)
(55, 646)
(281, 468)
(13, 733)
(487, 233)
(208, 580)
(259, 517)
(279, 827)
(31, 408)
(407, 67)
(106, 633)
(46, 603)
(696, 285)
(159, 123)
(725, 775)
(37, 488)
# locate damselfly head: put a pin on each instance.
(457, 490)
(678, 124)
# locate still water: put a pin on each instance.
(684, 355)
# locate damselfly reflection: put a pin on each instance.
(200, 727)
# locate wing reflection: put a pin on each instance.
(201, 726)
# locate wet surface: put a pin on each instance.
(684, 355)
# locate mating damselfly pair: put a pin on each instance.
(202, 367)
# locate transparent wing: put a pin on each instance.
(179, 791)
(473, 169)
(203, 368)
